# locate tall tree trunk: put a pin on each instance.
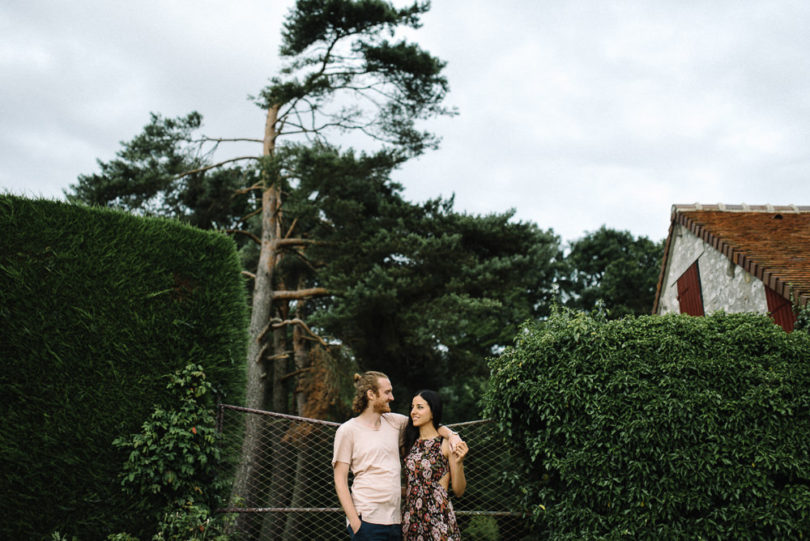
(261, 332)
(300, 434)
(278, 468)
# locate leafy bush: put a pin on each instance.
(175, 462)
(176, 455)
(658, 427)
(802, 319)
(482, 528)
(191, 522)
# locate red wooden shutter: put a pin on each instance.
(780, 309)
(689, 296)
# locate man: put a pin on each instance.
(368, 446)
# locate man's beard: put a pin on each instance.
(382, 407)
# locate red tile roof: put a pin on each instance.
(771, 242)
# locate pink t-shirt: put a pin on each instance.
(373, 457)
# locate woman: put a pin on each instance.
(430, 469)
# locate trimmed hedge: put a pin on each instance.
(658, 427)
(97, 309)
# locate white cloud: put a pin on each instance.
(576, 113)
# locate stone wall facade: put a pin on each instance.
(724, 285)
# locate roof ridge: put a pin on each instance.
(741, 207)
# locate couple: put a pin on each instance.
(369, 446)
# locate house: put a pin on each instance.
(736, 258)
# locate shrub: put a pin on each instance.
(658, 427)
(482, 528)
(176, 456)
(802, 319)
(96, 307)
(175, 462)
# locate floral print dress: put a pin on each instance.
(428, 512)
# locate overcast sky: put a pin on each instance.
(576, 114)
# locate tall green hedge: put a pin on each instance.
(655, 427)
(97, 308)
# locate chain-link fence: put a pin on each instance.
(291, 495)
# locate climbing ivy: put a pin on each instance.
(175, 463)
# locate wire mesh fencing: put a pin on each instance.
(291, 497)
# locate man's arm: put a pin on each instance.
(452, 437)
(344, 496)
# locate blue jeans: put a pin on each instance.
(376, 532)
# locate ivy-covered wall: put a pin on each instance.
(97, 309)
(658, 427)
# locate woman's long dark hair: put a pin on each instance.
(434, 402)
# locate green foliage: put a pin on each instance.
(189, 521)
(149, 177)
(152, 160)
(58, 536)
(482, 528)
(658, 427)
(615, 268)
(175, 463)
(419, 290)
(185, 521)
(176, 456)
(802, 319)
(422, 292)
(96, 307)
(344, 74)
(315, 21)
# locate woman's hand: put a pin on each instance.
(460, 451)
(454, 440)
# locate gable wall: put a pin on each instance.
(725, 286)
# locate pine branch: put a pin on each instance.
(299, 294)
(292, 226)
(292, 374)
(281, 243)
(245, 218)
(205, 139)
(215, 165)
(247, 234)
(277, 324)
(241, 191)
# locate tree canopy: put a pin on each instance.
(613, 267)
(344, 73)
(163, 171)
(333, 248)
